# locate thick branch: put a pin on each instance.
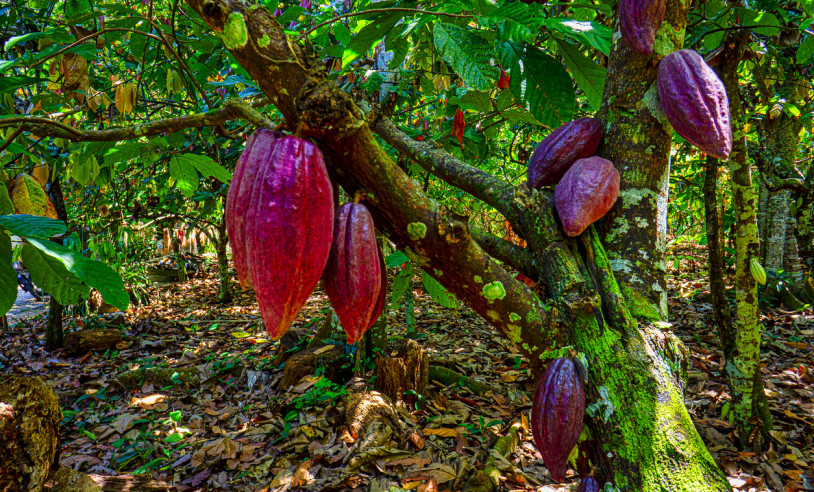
(505, 251)
(44, 127)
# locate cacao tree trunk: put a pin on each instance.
(644, 437)
(749, 404)
(53, 324)
(717, 284)
(225, 292)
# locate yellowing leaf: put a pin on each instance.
(240, 334)
(29, 198)
(443, 432)
(120, 96)
(41, 173)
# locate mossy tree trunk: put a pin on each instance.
(717, 284)
(53, 324)
(648, 441)
(742, 353)
(225, 293)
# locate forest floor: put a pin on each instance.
(191, 397)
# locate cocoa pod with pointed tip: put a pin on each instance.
(695, 102)
(287, 226)
(252, 160)
(561, 148)
(586, 193)
(353, 275)
(639, 21)
(588, 484)
(556, 414)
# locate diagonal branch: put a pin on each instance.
(231, 110)
(505, 251)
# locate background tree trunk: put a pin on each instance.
(717, 284)
(225, 292)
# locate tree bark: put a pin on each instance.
(225, 292)
(749, 404)
(53, 324)
(717, 285)
(648, 443)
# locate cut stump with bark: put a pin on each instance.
(83, 341)
(29, 432)
(68, 480)
(402, 367)
(306, 363)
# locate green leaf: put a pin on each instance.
(805, 50)
(32, 225)
(401, 283)
(589, 75)
(93, 273)
(84, 169)
(52, 277)
(206, 166)
(396, 259)
(769, 25)
(369, 36)
(468, 53)
(587, 33)
(341, 33)
(8, 277)
(15, 40)
(174, 437)
(437, 291)
(11, 84)
(540, 82)
(474, 100)
(184, 174)
(6, 205)
(530, 16)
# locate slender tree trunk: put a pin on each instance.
(777, 216)
(221, 240)
(750, 408)
(53, 324)
(717, 286)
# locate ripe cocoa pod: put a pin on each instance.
(639, 21)
(561, 148)
(586, 193)
(694, 100)
(287, 228)
(353, 275)
(252, 160)
(556, 414)
(588, 484)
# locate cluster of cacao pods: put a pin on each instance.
(587, 186)
(691, 94)
(285, 236)
(556, 414)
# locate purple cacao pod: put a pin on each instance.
(639, 21)
(588, 484)
(556, 414)
(353, 275)
(586, 193)
(287, 229)
(252, 160)
(561, 148)
(694, 100)
(380, 302)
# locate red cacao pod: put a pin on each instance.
(588, 484)
(639, 21)
(288, 229)
(353, 276)
(694, 100)
(561, 148)
(556, 414)
(586, 193)
(252, 160)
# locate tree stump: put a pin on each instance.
(29, 432)
(401, 368)
(306, 362)
(82, 341)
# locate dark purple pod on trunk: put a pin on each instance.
(639, 21)
(556, 414)
(253, 160)
(561, 148)
(288, 228)
(586, 193)
(353, 275)
(695, 102)
(588, 484)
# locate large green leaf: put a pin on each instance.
(8, 277)
(469, 54)
(183, 172)
(437, 291)
(90, 272)
(11, 84)
(368, 37)
(540, 82)
(587, 33)
(805, 50)
(401, 283)
(32, 225)
(52, 277)
(206, 166)
(589, 75)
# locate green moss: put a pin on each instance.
(234, 35)
(417, 230)
(514, 317)
(264, 41)
(437, 272)
(639, 306)
(493, 291)
(478, 280)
